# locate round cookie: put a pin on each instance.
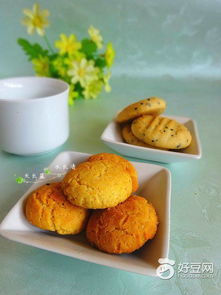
(48, 209)
(161, 132)
(123, 162)
(124, 228)
(152, 105)
(97, 184)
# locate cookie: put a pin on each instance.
(123, 162)
(124, 228)
(48, 209)
(97, 184)
(161, 132)
(152, 105)
(130, 138)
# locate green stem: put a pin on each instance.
(48, 44)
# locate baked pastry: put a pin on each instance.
(124, 228)
(130, 138)
(121, 161)
(161, 132)
(97, 184)
(48, 209)
(152, 105)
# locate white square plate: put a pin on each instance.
(112, 137)
(155, 184)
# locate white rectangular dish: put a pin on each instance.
(154, 184)
(111, 136)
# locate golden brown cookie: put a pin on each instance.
(152, 105)
(97, 184)
(48, 209)
(161, 132)
(130, 138)
(123, 162)
(124, 228)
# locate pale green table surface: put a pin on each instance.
(195, 211)
(155, 41)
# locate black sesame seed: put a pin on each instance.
(152, 140)
(141, 103)
(47, 183)
(171, 129)
(179, 145)
(135, 109)
(166, 127)
(148, 99)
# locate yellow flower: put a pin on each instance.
(77, 56)
(41, 65)
(106, 79)
(109, 54)
(72, 95)
(35, 19)
(83, 72)
(96, 36)
(92, 89)
(67, 44)
(60, 66)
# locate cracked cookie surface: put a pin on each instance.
(152, 105)
(124, 228)
(97, 184)
(121, 161)
(48, 209)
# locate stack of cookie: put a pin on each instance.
(98, 195)
(142, 125)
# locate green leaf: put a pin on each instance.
(88, 47)
(53, 56)
(20, 180)
(78, 88)
(53, 72)
(32, 50)
(100, 62)
(47, 171)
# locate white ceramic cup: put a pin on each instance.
(34, 115)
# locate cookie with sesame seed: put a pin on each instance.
(149, 106)
(161, 132)
(130, 138)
